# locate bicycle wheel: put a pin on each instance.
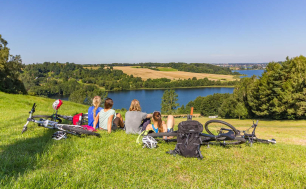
(47, 117)
(78, 130)
(213, 127)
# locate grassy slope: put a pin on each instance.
(34, 159)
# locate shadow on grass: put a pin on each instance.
(22, 156)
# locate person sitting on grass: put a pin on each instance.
(135, 120)
(94, 110)
(159, 126)
(108, 119)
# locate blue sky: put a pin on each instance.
(132, 31)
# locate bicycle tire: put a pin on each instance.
(48, 117)
(79, 131)
(212, 127)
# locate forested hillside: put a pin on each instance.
(280, 93)
(80, 84)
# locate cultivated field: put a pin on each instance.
(33, 159)
(146, 73)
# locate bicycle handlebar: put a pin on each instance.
(33, 108)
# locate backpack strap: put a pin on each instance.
(200, 154)
(174, 152)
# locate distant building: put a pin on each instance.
(213, 116)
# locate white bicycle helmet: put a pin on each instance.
(57, 104)
(58, 135)
(149, 142)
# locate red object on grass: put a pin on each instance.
(77, 119)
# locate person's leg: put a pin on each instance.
(120, 120)
(145, 123)
(170, 123)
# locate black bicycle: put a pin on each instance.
(226, 135)
(215, 126)
(71, 129)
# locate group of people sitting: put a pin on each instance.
(135, 120)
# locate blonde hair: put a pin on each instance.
(96, 101)
(135, 106)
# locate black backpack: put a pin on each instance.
(188, 139)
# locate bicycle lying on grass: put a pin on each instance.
(224, 136)
(71, 129)
(79, 119)
(214, 126)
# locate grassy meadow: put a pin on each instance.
(34, 160)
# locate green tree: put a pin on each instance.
(86, 94)
(10, 68)
(169, 101)
(240, 110)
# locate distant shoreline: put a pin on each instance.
(195, 87)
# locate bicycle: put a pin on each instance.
(224, 137)
(213, 126)
(71, 129)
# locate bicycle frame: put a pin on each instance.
(56, 117)
(252, 137)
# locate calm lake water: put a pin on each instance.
(150, 100)
(250, 73)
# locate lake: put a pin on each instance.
(150, 100)
(250, 73)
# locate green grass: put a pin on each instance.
(33, 159)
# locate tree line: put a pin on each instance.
(50, 79)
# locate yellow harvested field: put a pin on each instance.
(146, 73)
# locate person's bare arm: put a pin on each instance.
(149, 115)
(109, 123)
(96, 121)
